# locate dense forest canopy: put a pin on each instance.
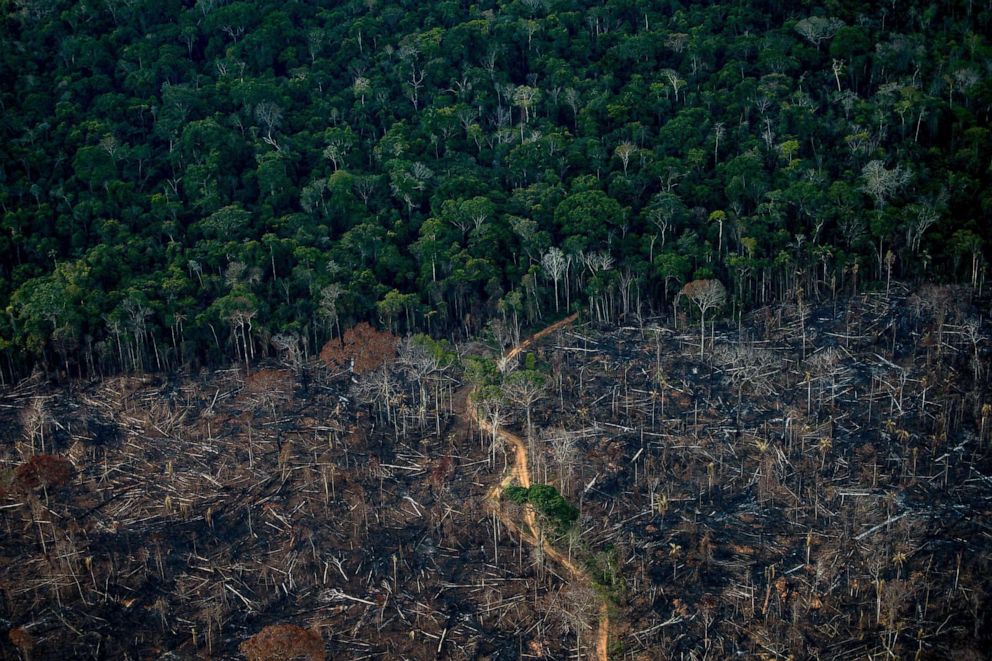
(194, 183)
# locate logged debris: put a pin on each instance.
(816, 483)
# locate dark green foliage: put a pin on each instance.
(304, 167)
(551, 504)
(606, 569)
(481, 372)
(516, 494)
(548, 502)
(530, 362)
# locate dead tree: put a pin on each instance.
(973, 332)
(525, 389)
(564, 451)
(35, 419)
(490, 403)
(382, 388)
(556, 265)
(748, 367)
(823, 366)
(289, 349)
(707, 295)
(419, 364)
(578, 608)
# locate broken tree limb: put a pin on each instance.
(880, 526)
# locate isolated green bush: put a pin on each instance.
(548, 502)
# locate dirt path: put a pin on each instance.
(539, 335)
(520, 474)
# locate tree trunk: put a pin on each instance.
(702, 333)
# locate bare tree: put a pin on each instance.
(288, 346)
(312, 195)
(748, 367)
(361, 87)
(555, 263)
(624, 151)
(241, 330)
(578, 609)
(572, 100)
(825, 364)
(973, 331)
(662, 213)
(926, 216)
(365, 186)
(674, 81)
(267, 388)
(421, 364)
(595, 262)
(336, 150)
(270, 116)
(327, 306)
(525, 389)
(315, 41)
(719, 130)
(416, 82)
(881, 183)
(816, 29)
(525, 97)
(676, 41)
(706, 295)
(564, 452)
(837, 66)
(110, 145)
(489, 402)
(383, 388)
(35, 419)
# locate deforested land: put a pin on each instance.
(530, 329)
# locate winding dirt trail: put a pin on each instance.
(520, 473)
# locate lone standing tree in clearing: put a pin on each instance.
(706, 294)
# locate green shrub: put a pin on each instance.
(516, 495)
(548, 502)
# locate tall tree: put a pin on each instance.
(706, 295)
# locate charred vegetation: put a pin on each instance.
(815, 484)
